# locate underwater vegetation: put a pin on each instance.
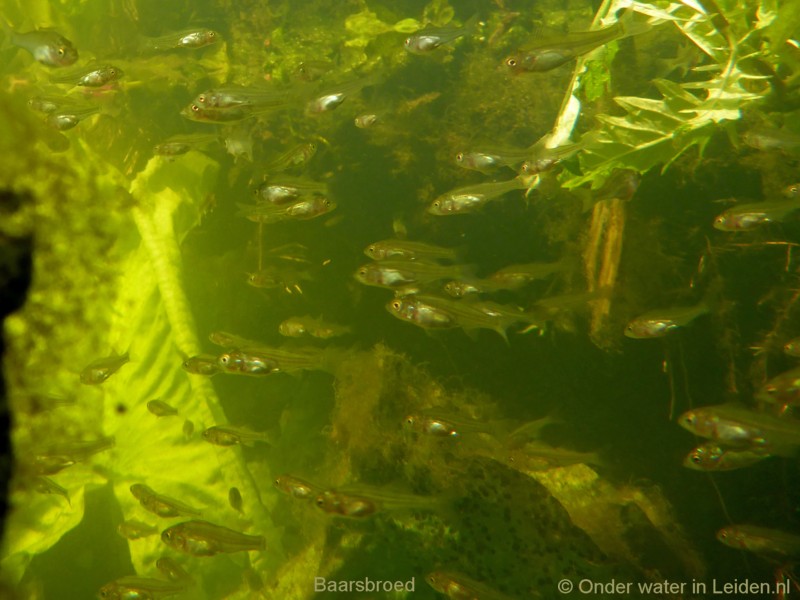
(466, 299)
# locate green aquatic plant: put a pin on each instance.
(656, 131)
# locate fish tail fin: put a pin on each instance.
(471, 25)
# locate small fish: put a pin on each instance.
(430, 38)
(135, 530)
(159, 504)
(161, 409)
(660, 322)
(187, 38)
(49, 104)
(45, 485)
(745, 217)
(201, 538)
(438, 423)
(181, 144)
(458, 288)
(56, 457)
(407, 250)
(433, 312)
(282, 190)
(550, 54)
(711, 456)
(358, 502)
(170, 568)
(242, 96)
(90, 76)
(367, 120)
(101, 369)
(294, 158)
(513, 277)
(296, 487)
(247, 362)
(300, 210)
(782, 390)
(488, 160)
(334, 95)
(739, 427)
(202, 364)
(139, 588)
(235, 499)
(66, 118)
(46, 46)
(399, 273)
(458, 586)
(769, 543)
(231, 436)
(301, 326)
(470, 198)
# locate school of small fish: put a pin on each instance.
(425, 284)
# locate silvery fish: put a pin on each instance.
(187, 38)
(660, 322)
(46, 46)
(159, 504)
(101, 369)
(301, 326)
(430, 38)
(135, 530)
(90, 76)
(745, 217)
(202, 364)
(739, 427)
(549, 54)
(770, 543)
(201, 538)
(296, 487)
(408, 250)
(711, 456)
(231, 436)
(359, 501)
(472, 197)
(140, 588)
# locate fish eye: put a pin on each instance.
(437, 204)
(460, 156)
(168, 534)
(696, 458)
(195, 108)
(212, 34)
(225, 359)
(526, 167)
(396, 304)
(319, 500)
(61, 51)
(201, 98)
(408, 41)
(371, 249)
(511, 62)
